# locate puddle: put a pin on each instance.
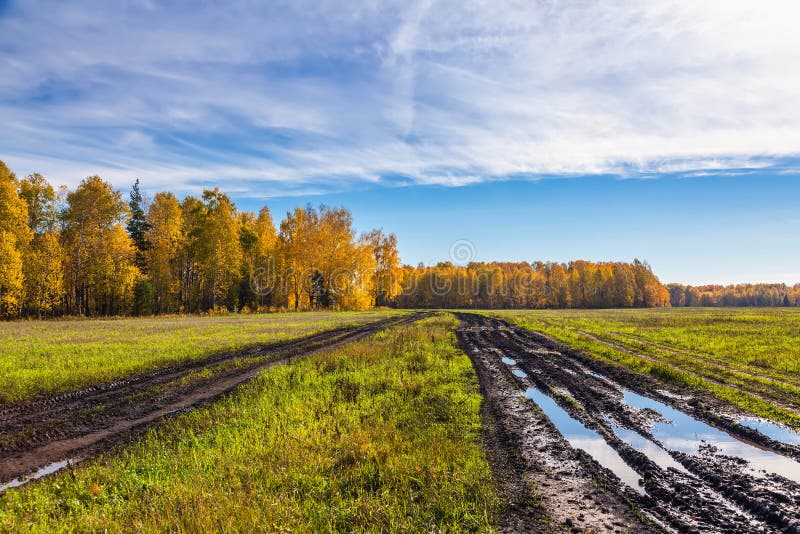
(686, 434)
(592, 373)
(583, 438)
(652, 450)
(516, 372)
(775, 431)
(49, 469)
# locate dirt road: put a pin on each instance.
(47, 433)
(581, 445)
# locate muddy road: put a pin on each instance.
(44, 435)
(582, 445)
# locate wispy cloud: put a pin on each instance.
(298, 97)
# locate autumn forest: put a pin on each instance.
(93, 252)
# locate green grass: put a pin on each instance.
(747, 356)
(38, 357)
(380, 435)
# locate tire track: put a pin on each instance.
(546, 485)
(783, 397)
(84, 422)
(702, 491)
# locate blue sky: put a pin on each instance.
(667, 130)
(720, 229)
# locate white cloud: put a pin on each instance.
(284, 98)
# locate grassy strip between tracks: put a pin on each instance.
(379, 435)
(43, 357)
(746, 357)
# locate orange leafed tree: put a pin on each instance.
(68, 252)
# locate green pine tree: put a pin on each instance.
(138, 226)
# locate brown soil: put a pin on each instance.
(84, 422)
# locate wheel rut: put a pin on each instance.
(611, 450)
(49, 433)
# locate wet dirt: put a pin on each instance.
(678, 460)
(547, 485)
(61, 429)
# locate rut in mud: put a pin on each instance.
(608, 449)
(47, 433)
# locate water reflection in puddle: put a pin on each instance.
(519, 374)
(772, 430)
(592, 373)
(509, 361)
(685, 434)
(583, 438)
(49, 469)
(640, 443)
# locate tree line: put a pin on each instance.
(522, 285)
(734, 295)
(92, 252)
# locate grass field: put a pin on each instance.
(383, 434)
(39, 357)
(747, 356)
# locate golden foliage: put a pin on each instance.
(69, 253)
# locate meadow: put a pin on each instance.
(747, 356)
(382, 434)
(44, 357)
